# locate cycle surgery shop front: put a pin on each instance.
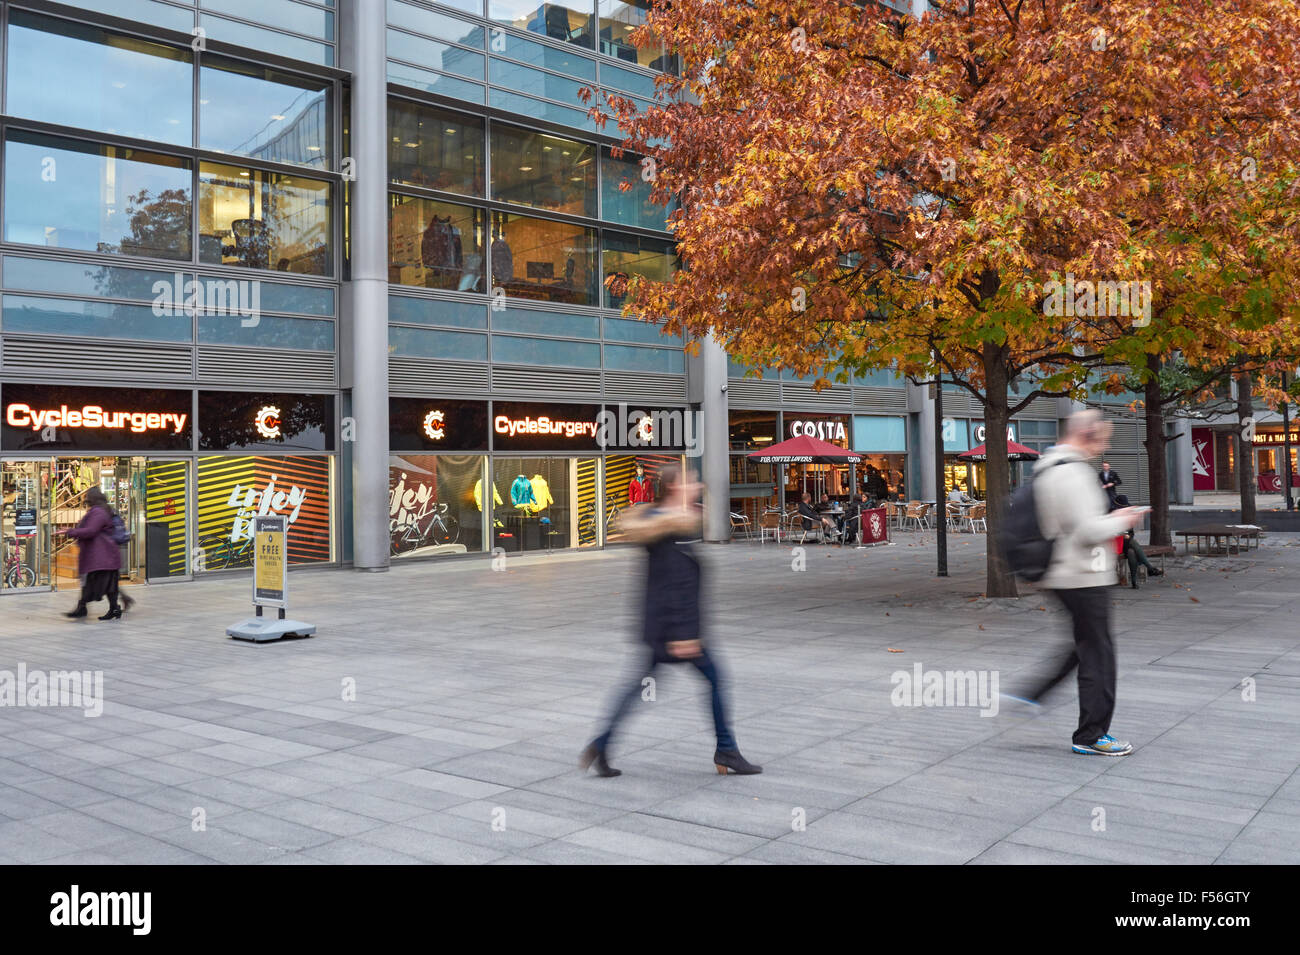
(472, 476)
(187, 470)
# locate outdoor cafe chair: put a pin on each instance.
(739, 522)
(770, 524)
(977, 516)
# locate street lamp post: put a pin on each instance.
(940, 503)
(1286, 444)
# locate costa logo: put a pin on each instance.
(267, 422)
(433, 425)
(822, 430)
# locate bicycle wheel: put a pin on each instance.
(21, 576)
(445, 529)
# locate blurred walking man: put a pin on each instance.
(671, 630)
(1072, 513)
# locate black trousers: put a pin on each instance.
(1094, 655)
(98, 585)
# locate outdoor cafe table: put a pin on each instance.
(1217, 537)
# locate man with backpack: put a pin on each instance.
(1078, 567)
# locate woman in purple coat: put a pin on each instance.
(100, 560)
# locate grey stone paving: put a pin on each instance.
(475, 691)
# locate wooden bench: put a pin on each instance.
(1155, 550)
(1219, 538)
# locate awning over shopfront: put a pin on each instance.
(1015, 452)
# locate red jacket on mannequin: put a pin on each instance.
(640, 490)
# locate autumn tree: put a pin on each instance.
(857, 189)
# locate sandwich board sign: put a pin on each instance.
(270, 585)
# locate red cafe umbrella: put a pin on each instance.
(804, 450)
(1015, 452)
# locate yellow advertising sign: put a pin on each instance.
(270, 561)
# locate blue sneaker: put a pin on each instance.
(1106, 746)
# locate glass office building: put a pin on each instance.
(359, 263)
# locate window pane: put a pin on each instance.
(544, 351)
(436, 25)
(426, 343)
(74, 278)
(50, 316)
(627, 256)
(431, 53)
(626, 80)
(569, 21)
(105, 82)
(284, 14)
(264, 114)
(439, 83)
(631, 330)
(426, 311)
(65, 194)
(435, 148)
(539, 54)
(144, 11)
(243, 34)
(618, 18)
(530, 321)
(537, 259)
(537, 109)
(435, 244)
(512, 76)
(297, 298)
(633, 206)
(541, 170)
(267, 332)
(627, 358)
(262, 220)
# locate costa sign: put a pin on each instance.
(20, 415)
(981, 433)
(824, 430)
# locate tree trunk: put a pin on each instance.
(1157, 463)
(1246, 446)
(1000, 582)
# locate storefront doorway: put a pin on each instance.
(24, 521)
(122, 479)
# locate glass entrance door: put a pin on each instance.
(122, 479)
(24, 520)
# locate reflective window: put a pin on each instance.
(637, 83)
(435, 503)
(256, 38)
(513, 76)
(469, 6)
(539, 109)
(629, 358)
(101, 80)
(534, 322)
(427, 343)
(267, 332)
(630, 206)
(435, 244)
(66, 194)
(284, 14)
(538, 169)
(75, 278)
(425, 311)
(632, 330)
(263, 220)
(435, 148)
(618, 18)
(438, 25)
(538, 259)
(540, 54)
(569, 21)
(511, 350)
(431, 53)
(52, 316)
(264, 114)
(627, 256)
(432, 82)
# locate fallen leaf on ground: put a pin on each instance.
(892, 650)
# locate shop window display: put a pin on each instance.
(234, 490)
(436, 504)
(547, 503)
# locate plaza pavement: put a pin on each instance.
(475, 690)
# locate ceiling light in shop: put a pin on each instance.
(450, 131)
(525, 168)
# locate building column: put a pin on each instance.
(1181, 477)
(366, 359)
(920, 398)
(714, 441)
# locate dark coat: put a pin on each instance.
(98, 549)
(672, 596)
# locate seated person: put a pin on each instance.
(958, 496)
(1134, 554)
(810, 516)
(853, 517)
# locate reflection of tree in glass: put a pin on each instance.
(160, 227)
(230, 420)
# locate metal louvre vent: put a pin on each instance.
(1128, 435)
(803, 396)
(433, 376)
(222, 365)
(753, 391)
(644, 387)
(1042, 408)
(962, 404)
(545, 381)
(120, 361)
(880, 399)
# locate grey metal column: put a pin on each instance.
(364, 53)
(714, 442)
(920, 397)
(1181, 477)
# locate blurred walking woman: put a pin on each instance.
(100, 561)
(671, 628)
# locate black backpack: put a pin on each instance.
(1028, 552)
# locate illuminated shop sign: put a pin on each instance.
(263, 420)
(72, 418)
(981, 433)
(823, 429)
(527, 426)
(433, 425)
(1275, 437)
(504, 424)
(267, 421)
(20, 415)
(437, 424)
